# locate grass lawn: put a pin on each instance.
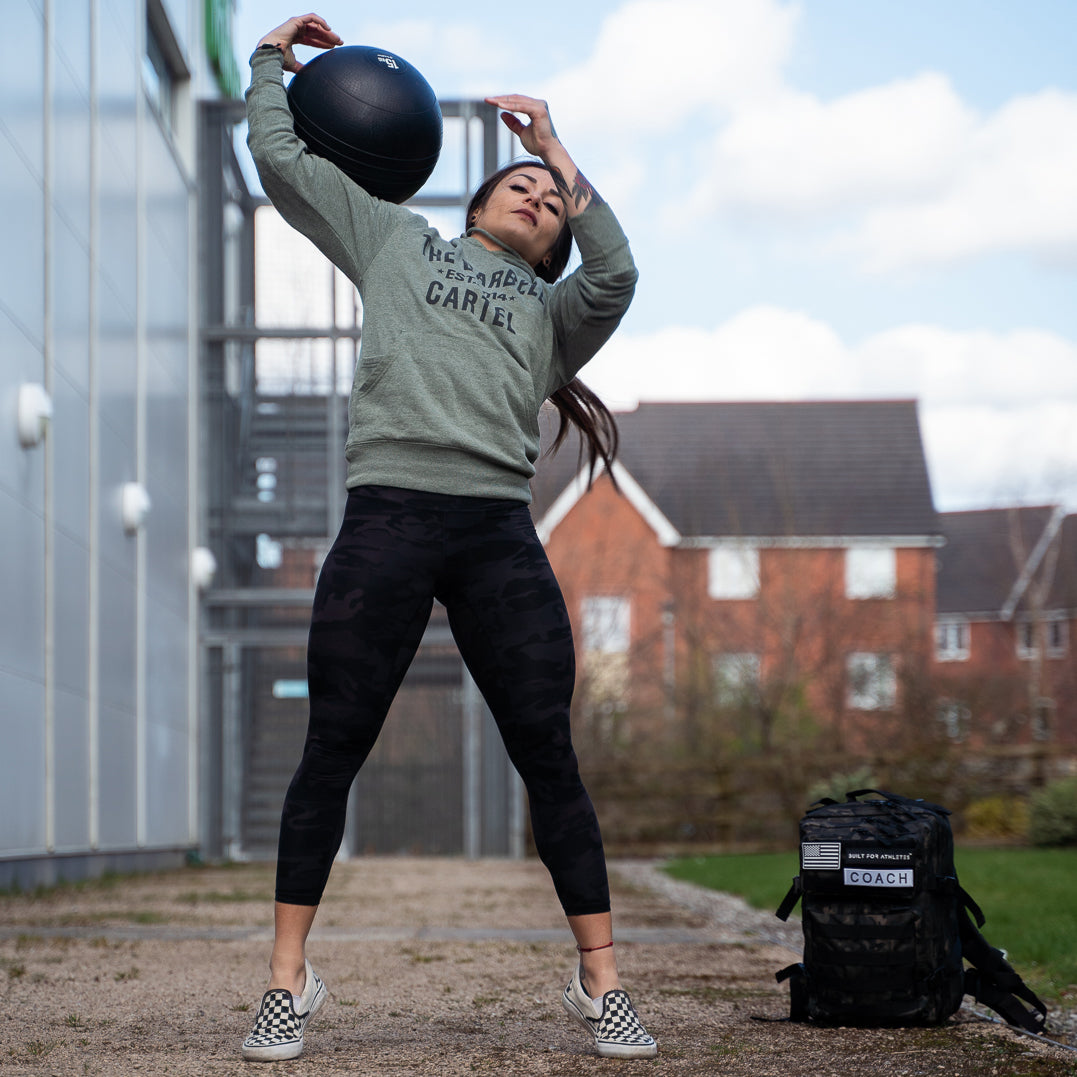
(1029, 897)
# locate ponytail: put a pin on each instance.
(579, 406)
(576, 404)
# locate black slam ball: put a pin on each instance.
(372, 114)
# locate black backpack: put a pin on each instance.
(887, 929)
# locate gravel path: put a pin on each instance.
(439, 966)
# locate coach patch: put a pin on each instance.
(898, 878)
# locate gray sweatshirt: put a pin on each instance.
(460, 345)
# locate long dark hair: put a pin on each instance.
(576, 404)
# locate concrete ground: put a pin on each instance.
(438, 966)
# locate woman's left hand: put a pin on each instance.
(309, 29)
(537, 137)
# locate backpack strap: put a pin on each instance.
(790, 900)
(798, 990)
(970, 905)
(897, 798)
(993, 981)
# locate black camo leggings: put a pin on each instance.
(397, 551)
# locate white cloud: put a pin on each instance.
(981, 456)
(794, 154)
(906, 174)
(999, 411)
(661, 68)
(1011, 370)
(658, 63)
(763, 353)
(1013, 189)
(768, 353)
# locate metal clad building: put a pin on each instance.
(98, 323)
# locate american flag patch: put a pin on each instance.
(820, 855)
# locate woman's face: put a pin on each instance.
(524, 211)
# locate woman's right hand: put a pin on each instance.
(310, 30)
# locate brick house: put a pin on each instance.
(1007, 606)
(766, 567)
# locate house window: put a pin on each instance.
(871, 682)
(1026, 639)
(870, 572)
(952, 640)
(954, 719)
(1043, 719)
(1053, 631)
(1055, 634)
(736, 679)
(607, 624)
(733, 572)
(1058, 632)
(604, 687)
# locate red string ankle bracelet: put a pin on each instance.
(591, 949)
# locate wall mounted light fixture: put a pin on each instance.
(203, 567)
(135, 505)
(34, 413)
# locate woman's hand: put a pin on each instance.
(537, 137)
(310, 30)
(540, 139)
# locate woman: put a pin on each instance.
(462, 342)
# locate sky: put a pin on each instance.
(826, 199)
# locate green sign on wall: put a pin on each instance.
(222, 57)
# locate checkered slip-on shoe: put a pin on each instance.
(616, 1029)
(278, 1028)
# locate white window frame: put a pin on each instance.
(733, 572)
(954, 719)
(1058, 637)
(606, 624)
(1044, 717)
(736, 678)
(952, 639)
(871, 681)
(870, 572)
(1056, 632)
(1025, 640)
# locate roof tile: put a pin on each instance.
(776, 469)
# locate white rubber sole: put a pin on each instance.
(604, 1047)
(281, 1052)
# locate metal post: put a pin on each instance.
(472, 766)
(517, 814)
(231, 749)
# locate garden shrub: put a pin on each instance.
(1052, 817)
(1003, 817)
(837, 785)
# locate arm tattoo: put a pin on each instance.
(581, 192)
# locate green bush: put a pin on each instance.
(1052, 816)
(996, 817)
(837, 785)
